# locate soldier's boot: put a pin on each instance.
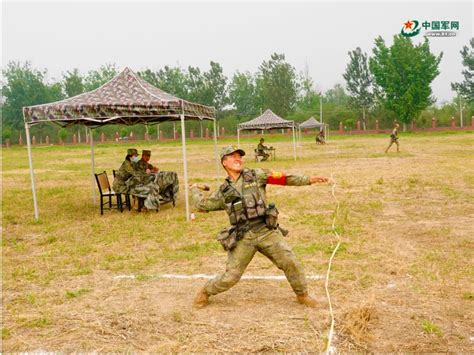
(306, 300)
(202, 299)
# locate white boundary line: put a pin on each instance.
(208, 277)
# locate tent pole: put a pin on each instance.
(300, 142)
(238, 138)
(185, 165)
(215, 150)
(294, 142)
(91, 139)
(32, 173)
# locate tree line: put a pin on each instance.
(392, 84)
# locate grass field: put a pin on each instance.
(402, 280)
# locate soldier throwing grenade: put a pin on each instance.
(253, 227)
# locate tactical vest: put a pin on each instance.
(247, 205)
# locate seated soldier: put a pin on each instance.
(166, 182)
(261, 150)
(144, 165)
(130, 180)
(127, 176)
(320, 138)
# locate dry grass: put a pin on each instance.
(401, 281)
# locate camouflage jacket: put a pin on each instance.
(216, 202)
(127, 176)
(394, 134)
(261, 147)
(142, 165)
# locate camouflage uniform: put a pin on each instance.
(320, 138)
(259, 238)
(130, 180)
(261, 151)
(127, 177)
(393, 139)
(142, 165)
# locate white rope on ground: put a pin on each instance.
(208, 277)
(330, 349)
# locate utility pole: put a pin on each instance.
(321, 106)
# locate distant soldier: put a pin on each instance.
(261, 150)
(320, 138)
(253, 225)
(394, 138)
(144, 165)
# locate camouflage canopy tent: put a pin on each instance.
(125, 99)
(267, 120)
(314, 123)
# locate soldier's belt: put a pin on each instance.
(256, 225)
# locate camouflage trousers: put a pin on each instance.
(271, 244)
(150, 192)
(391, 143)
(162, 186)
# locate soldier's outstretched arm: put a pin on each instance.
(214, 202)
(281, 178)
(318, 179)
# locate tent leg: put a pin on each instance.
(238, 138)
(32, 174)
(294, 142)
(91, 139)
(185, 166)
(215, 150)
(300, 142)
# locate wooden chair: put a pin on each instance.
(106, 193)
(127, 196)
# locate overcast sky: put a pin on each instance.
(60, 36)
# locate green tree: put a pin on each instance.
(276, 85)
(196, 86)
(216, 85)
(25, 86)
(169, 79)
(337, 95)
(404, 72)
(309, 99)
(97, 78)
(359, 81)
(62, 134)
(151, 77)
(242, 94)
(466, 87)
(73, 83)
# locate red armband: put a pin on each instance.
(276, 178)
